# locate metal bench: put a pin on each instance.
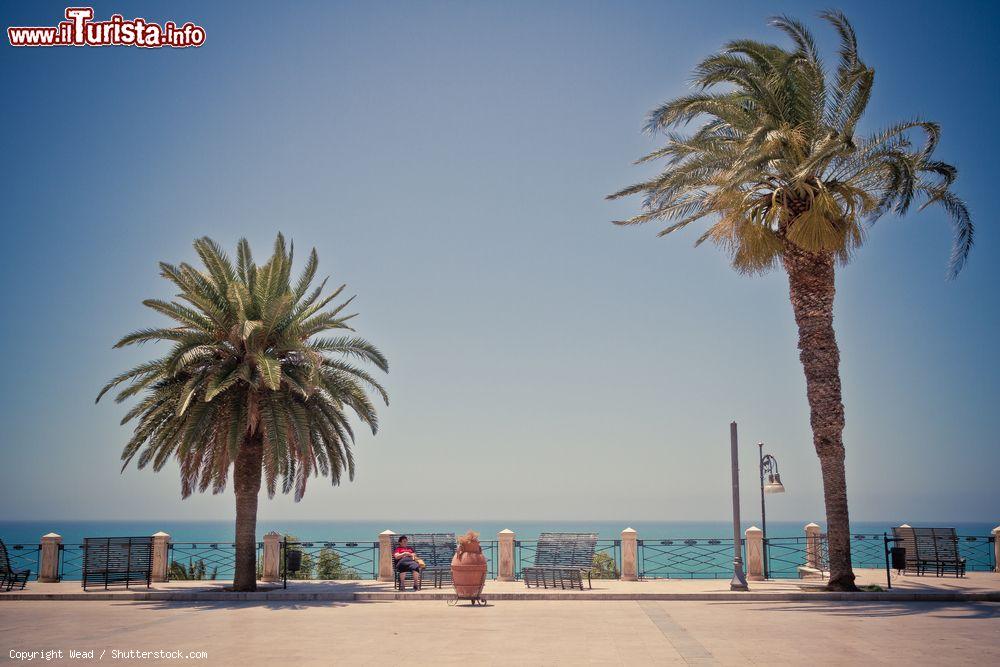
(117, 560)
(435, 549)
(562, 559)
(9, 577)
(927, 548)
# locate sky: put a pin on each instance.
(449, 162)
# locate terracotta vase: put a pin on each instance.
(468, 568)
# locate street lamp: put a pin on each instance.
(739, 581)
(769, 467)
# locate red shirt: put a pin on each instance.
(403, 550)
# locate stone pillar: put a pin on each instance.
(812, 546)
(505, 555)
(996, 549)
(48, 559)
(755, 553)
(630, 555)
(385, 570)
(161, 556)
(271, 569)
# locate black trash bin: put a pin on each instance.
(293, 561)
(898, 557)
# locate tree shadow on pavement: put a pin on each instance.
(942, 610)
(227, 605)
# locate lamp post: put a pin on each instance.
(768, 466)
(739, 580)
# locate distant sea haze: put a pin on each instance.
(29, 532)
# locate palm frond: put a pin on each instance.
(776, 160)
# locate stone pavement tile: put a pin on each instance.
(689, 648)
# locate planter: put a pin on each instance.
(468, 569)
(468, 580)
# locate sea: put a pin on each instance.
(73, 532)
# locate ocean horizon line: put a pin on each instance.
(888, 522)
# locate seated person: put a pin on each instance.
(406, 560)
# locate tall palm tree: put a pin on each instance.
(784, 177)
(248, 383)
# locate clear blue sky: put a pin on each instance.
(449, 162)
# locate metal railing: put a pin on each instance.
(204, 560)
(978, 551)
(687, 558)
(331, 560)
(783, 556)
(524, 556)
(674, 558)
(607, 558)
(25, 556)
(491, 552)
(867, 550)
(70, 562)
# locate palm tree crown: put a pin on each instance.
(779, 160)
(246, 364)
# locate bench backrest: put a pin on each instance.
(436, 549)
(117, 559)
(941, 544)
(566, 550)
(928, 544)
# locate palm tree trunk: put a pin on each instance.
(811, 289)
(246, 480)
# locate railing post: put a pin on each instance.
(996, 549)
(812, 546)
(271, 570)
(630, 555)
(755, 553)
(505, 555)
(161, 556)
(48, 559)
(385, 572)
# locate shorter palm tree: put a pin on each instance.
(247, 383)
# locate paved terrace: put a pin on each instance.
(781, 622)
(543, 632)
(975, 586)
